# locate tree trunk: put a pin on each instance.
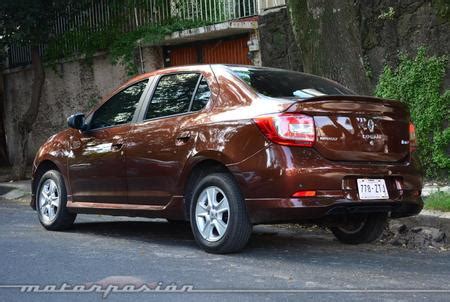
(328, 34)
(25, 124)
(4, 161)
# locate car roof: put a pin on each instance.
(182, 68)
(195, 66)
(146, 75)
(187, 68)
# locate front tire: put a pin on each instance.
(361, 228)
(218, 215)
(51, 199)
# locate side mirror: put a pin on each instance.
(76, 121)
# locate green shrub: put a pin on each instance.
(417, 82)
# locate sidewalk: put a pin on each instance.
(434, 219)
(15, 189)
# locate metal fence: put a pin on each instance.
(102, 13)
(266, 4)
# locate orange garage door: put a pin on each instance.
(223, 51)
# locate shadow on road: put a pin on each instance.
(145, 230)
(267, 237)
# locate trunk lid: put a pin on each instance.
(356, 128)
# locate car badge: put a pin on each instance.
(370, 125)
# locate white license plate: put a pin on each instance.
(372, 188)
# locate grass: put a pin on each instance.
(439, 201)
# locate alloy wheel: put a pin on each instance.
(49, 200)
(212, 213)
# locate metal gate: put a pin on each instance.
(232, 50)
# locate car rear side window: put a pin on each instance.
(172, 95)
(202, 95)
(120, 108)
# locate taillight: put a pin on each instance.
(412, 138)
(288, 129)
(304, 194)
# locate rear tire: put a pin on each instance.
(361, 229)
(51, 200)
(218, 215)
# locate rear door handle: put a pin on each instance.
(116, 147)
(184, 136)
(86, 140)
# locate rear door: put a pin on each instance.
(160, 145)
(97, 167)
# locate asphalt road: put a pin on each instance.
(117, 251)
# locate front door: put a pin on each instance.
(97, 165)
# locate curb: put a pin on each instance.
(429, 189)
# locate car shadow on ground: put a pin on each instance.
(145, 230)
(264, 237)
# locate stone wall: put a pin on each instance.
(351, 41)
(277, 43)
(388, 27)
(72, 86)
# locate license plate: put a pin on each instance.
(372, 188)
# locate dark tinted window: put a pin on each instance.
(282, 83)
(120, 108)
(172, 95)
(202, 95)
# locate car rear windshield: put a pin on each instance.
(288, 84)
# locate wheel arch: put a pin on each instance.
(199, 167)
(42, 167)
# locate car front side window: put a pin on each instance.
(120, 108)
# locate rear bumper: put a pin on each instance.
(269, 178)
(313, 209)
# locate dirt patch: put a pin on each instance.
(396, 234)
(417, 237)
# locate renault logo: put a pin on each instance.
(370, 125)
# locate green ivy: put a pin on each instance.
(387, 15)
(120, 45)
(418, 83)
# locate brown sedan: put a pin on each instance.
(226, 147)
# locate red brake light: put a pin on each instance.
(288, 129)
(412, 138)
(304, 194)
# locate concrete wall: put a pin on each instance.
(74, 86)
